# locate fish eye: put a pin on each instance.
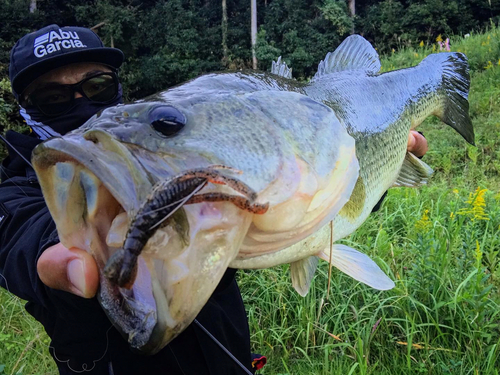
(167, 120)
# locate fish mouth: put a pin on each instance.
(94, 187)
(90, 217)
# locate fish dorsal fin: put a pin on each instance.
(355, 53)
(357, 265)
(302, 273)
(280, 68)
(414, 172)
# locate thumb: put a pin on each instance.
(72, 270)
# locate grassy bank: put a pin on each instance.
(439, 243)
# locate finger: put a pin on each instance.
(417, 144)
(72, 270)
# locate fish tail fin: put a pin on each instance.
(454, 90)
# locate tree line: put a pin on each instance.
(169, 41)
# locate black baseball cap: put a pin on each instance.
(52, 47)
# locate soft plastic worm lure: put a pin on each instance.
(165, 198)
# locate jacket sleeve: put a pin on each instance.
(26, 230)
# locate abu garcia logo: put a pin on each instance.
(55, 41)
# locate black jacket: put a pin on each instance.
(82, 336)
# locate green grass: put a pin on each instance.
(443, 315)
(441, 318)
(23, 342)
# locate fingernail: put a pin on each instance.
(76, 275)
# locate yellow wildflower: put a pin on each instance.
(483, 44)
(439, 38)
(393, 50)
(476, 206)
(489, 65)
(424, 223)
(416, 54)
(455, 191)
(452, 215)
(421, 43)
(478, 252)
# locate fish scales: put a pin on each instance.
(310, 153)
(380, 133)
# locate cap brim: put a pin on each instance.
(103, 55)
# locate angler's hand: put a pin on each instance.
(417, 144)
(72, 270)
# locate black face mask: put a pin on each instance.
(76, 117)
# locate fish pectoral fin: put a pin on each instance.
(302, 273)
(354, 53)
(357, 265)
(414, 172)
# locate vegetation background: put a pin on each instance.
(169, 41)
(440, 243)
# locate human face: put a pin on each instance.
(66, 75)
(54, 92)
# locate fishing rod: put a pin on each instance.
(15, 149)
(223, 347)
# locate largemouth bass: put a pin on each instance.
(241, 170)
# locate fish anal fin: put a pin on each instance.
(354, 53)
(357, 265)
(414, 172)
(302, 273)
